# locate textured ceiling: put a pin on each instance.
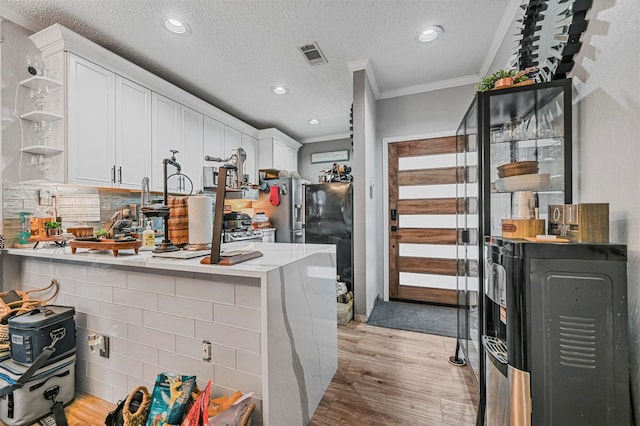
(238, 49)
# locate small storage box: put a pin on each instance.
(32, 331)
(28, 404)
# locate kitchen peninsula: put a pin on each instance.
(271, 321)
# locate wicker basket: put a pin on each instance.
(518, 168)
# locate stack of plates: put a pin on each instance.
(532, 182)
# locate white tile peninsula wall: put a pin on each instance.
(157, 320)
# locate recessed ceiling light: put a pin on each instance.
(427, 34)
(313, 121)
(176, 26)
(279, 90)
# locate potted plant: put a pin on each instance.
(503, 78)
(52, 228)
(101, 233)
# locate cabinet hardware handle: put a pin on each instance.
(394, 214)
(120, 174)
(113, 174)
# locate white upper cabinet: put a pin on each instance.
(133, 133)
(290, 158)
(191, 156)
(276, 150)
(250, 146)
(178, 128)
(91, 123)
(279, 152)
(213, 139)
(232, 139)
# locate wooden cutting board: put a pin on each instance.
(112, 245)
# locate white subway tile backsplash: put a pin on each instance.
(237, 317)
(168, 323)
(123, 364)
(241, 381)
(205, 290)
(121, 312)
(74, 271)
(171, 362)
(97, 388)
(106, 375)
(185, 307)
(107, 326)
(107, 274)
(249, 362)
(39, 266)
(154, 338)
(150, 373)
(130, 349)
(87, 306)
(136, 299)
(223, 355)
(228, 336)
(152, 282)
(94, 291)
(189, 347)
(248, 296)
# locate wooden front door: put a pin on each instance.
(422, 220)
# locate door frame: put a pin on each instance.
(385, 193)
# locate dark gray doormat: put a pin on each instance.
(430, 319)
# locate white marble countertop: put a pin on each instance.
(274, 256)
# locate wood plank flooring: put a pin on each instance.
(384, 377)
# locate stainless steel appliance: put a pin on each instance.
(555, 333)
(287, 216)
(328, 220)
(238, 227)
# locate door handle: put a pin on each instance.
(113, 174)
(120, 174)
(394, 214)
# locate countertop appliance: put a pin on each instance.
(238, 227)
(555, 333)
(328, 219)
(287, 216)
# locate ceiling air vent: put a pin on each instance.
(313, 54)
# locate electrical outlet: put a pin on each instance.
(44, 197)
(104, 349)
(206, 350)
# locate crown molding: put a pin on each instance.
(327, 138)
(430, 87)
(22, 20)
(365, 64)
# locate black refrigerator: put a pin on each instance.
(328, 219)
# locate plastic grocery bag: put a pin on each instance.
(198, 414)
(236, 414)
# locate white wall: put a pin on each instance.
(366, 228)
(312, 171)
(606, 149)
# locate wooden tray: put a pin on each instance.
(522, 83)
(112, 245)
(546, 240)
(233, 257)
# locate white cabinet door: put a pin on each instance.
(165, 136)
(290, 159)
(91, 119)
(232, 139)
(279, 150)
(213, 139)
(133, 133)
(250, 145)
(191, 156)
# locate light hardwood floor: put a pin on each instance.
(384, 377)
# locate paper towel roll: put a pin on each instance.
(200, 219)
